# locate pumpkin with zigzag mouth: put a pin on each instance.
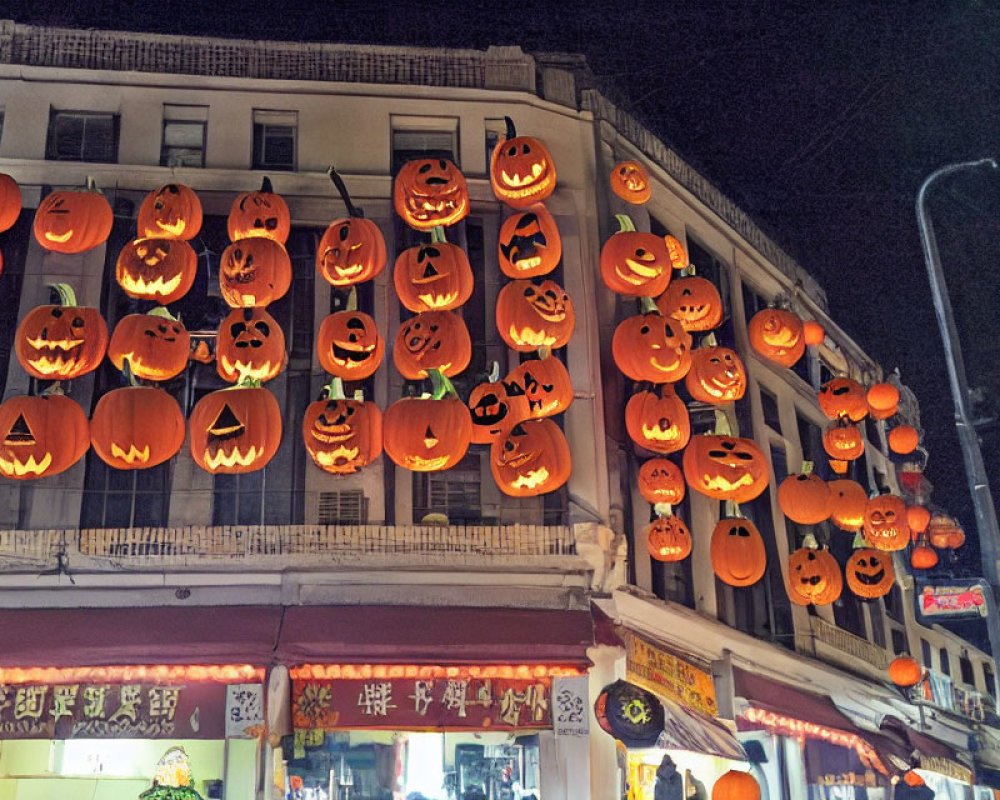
(235, 430)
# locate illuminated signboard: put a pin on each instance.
(952, 600)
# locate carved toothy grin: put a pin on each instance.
(518, 180)
(531, 479)
(420, 464)
(235, 457)
(131, 456)
(340, 457)
(142, 286)
(14, 466)
(527, 336)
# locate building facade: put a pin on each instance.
(322, 611)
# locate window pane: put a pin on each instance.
(183, 134)
(68, 133)
(279, 146)
(98, 139)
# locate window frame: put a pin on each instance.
(267, 123)
(177, 114)
(52, 152)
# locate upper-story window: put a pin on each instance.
(184, 129)
(3, 114)
(496, 131)
(945, 660)
(965, 664)
(82, 136)
(925, 653)
(274, 139)
(423, 137)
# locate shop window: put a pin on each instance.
(274, 139)
(925, 652)
(965, 665)
(184, 129)
(82, 136)
(945, 661)
(898, 641)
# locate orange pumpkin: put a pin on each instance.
(843, 441)
(650, 347)
(813, 332)
(546, 386)
(668, 539)
(433, 276)
(870, 573)
(658, 421)
(903, 439)
(432, 340)
(923, 557)
(905, 670)
(249, 345)
(635, 263)
(918, 518)
(171, 212)
(736, 785)
(10, 201)
(805, 498)
(882, 397)
(162, 270)
(73, 221)
(843, 397)
(349, 345)
(885, 526)
(530, 316)
(261, 213)
(428, 434)
(777, 335)
(352, 249)
(717, 375)
(136, 427)
(944, 532)
(630, 181)
(342, 435)
(737, 552)
(725, 467)
(529, 244)
(531, 458)
(429, 192)
(849, 502)
(522, 171)
(661, 481)
(41, 436)
(155, 345)
(813, 577)
(694, 302)
(678, 255)
(254, 272)
(235, 430)
(59, 342)
(495, 407)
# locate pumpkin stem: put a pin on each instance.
(53, 388)
(352, 300)
(809, 540)
(334, 390)
(859, 541)
(722, 425)
(647, 305)
(352, 210)
(437, 235)
(67, 297)
(625, 224)
(494, 373)
(511, 130)
(265, 185)
(127, 372)
(807, 467)
(709, 340)
(663, 509)
(91, 185)
(246, 382)
(544, 352)
(441, 387)
(161, 311)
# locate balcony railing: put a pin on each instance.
(844, 641)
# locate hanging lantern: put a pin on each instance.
(59, 342)
(531, 458)
(72, 221)
(235, 430)
(805, 498)
(429, 192)
(342, 435)
(813, 332)
(530, 316)
(259, 214)
(813, 576)
(725, 467)
(883, 400)
(522, 171)
(694, 302)
(885, 525)
(843, 397)
(777, 335)
(905, 671)
(432, 340)
(433, 276)
(431, 433)
(658, 420)
(162, 270)
(651, 347)
(661, 481)
(529, 244)
(635, 263)
(668, 539)
(136, 427)
(870, 573)
(630, 181)
(903, 439)
(171, 212)
(352, 249)
(155, 345)
(737, 552)
(42, 436)
(843, 441)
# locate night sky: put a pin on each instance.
(819, 119)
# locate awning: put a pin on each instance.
(928, 753)
(687, 729)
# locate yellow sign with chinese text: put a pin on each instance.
(666, 674)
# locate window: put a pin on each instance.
(989, 681)
(184, 130)
(3, 114)
(455, 492)
(423, 137)
(925, 652)
(117, 498)
(496, 131)
(848, 609)
(894, 604)
(811, 442)
(769, 409)
(945, 668)
(966, 667)
(82, 136)
(274, 134)
(898, 641)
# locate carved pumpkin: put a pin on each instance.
(668, 539)
(428, 434)
(342, 435)
(429, 192)
(658, 421)
(349, 345)
(736, 785)
(136, 427)
(546, 385)
(905, 671)
(529, 244)
(635, 263)
(725, 467)
(433, 276)
(59, 342)
(813, 577)
(717, 375)
(843, 397)
(885, 525)
(805, 498)
(10, 201)
(849, 502)
(531, 458)
(923, 557)
(254, 272)
(737, 552)
(249, 344)
(630, 181)
(261, 213)
(495, 407)
(162, 270)
(171, 212)
(155, 345)
(944, 532)
(432, 340)
(694, 302)
(882, 398)
(918, 518)
(530, 316)
(678, 255)
(903, 439)
(870, 573)
(41, 436)
(352, 249)
(843, 441)
(73, 221)
(777, 336)
(650, 347)
(813, 332)
(661, 481)
(235, 430)
(522, 171)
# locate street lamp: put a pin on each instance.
(972, 456)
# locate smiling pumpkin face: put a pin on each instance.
(532, 458)
(136, 427)
(352, 250)
(61, 342)
(432, 340)
(777, 335)
(342, 435)
(630, 181)
(885, 525)
(156, 269)
(658, 421)
(254, 272)
(529, 316)
(41, 436)
(717, 375)
(661, 481)
(725, 467)
(522, 171)
(694, 302)
(72, 221)
(870, 573)
(813, 577)
(737, 552)
(249, 344)
(668, 539)
(843, 441)
(433, 276)
(430, 192)
(650, 347)
(349, 345)
(635, 263)
(529, 244)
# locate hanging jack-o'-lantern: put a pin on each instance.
(849, 502)
(813, 577)
(546, 385)
(136, 427)
(843, 397)
(156, 345)
(813, 332)
(171, 212)
(651, 347)
(352, 250)
(349, 345)
(777, 335)
(678, 253)
(725, 467)
(529, 316)
(10, 201)
(805, 498)
(529, 244)
(903, 439)
(161, 269)
(531, 458)
(434, 276)
(261, 213)
(428, 434)
(869, 573)
(59, 342)
(944, 532)
(429, 192)
(694, 302)
(843, 441)
(41, 436)
(905, 670)
(341, 434)
(737, 552)
(235, 430)
(73, 221)
(717, 375)
(918, 518)
(885, 526)
(668, 539)
(661, 481)
(630, 181)
(923, 557)
(432, 340)
(249, 345)
(635, 263)
(658, 421)
(522, 171)
(495, 406)
(254, 272)
(882, 399)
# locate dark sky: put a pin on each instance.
(820, 119)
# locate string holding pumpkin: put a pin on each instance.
(352, 249)
(522, 171)
(342, 435)
(73, 220)
(61, 341)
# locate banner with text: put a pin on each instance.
(664, 673)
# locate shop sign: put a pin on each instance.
(951, 600)
(664, 673)
(432, 703)
(244, 710)
(947, 767)
(112, 711)
(570, 706)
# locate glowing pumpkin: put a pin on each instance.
(434, 276)
(545, 384)
(10, 201)
(843, 397)
(668, 539)
(432, 340)
(342, 435)
(522, 171)
(694, 302)
(529, 244)
(870, 573)
(73, 221)
(630, 181)
(635, 263)
(259, 214)
(716, 376)
(41, 436)
(531, 316)
(903, 439)
(349, 345)
(777, 336)
(429, 192)
(885, 526)
(531, 458)
(651, 347)
(249, 345)
(725, 467)
(136, 427)
(843, 441)
(658, 421)
(254, 272)
(235, 430)
(813, 577)
(905, 670)
(155, 345)
(661, 481)
(161, 269)
(805, 498)
(428, 434)
(849, 502)
(172, 211)
(59, 342)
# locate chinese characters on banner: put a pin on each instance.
(570, 707)
(436, 703)
(244, 710)
(666, 674)
(112, 711)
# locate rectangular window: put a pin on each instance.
(810, 441)
(848, 609)
(769, 409)
(423, 137)
(3, 115)
(898, 641)
(184, 129)
(945, 668)
(82, 136)
(274, 139)
(714, 269)
(925, 652)
(455, 492)
(894, 604)
(116, 498)
(966, 666)
(496, 131)
(989, 680)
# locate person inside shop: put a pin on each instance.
(669, 782)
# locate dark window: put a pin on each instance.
(456, 492)
(965, 665)
(82, 136)
(894, 604)
(14, 245)
(184, 129)
(711, 267)
(274, 134)
(673, 580)
(877, 621)
(945, 661)
(925, 652)
(989, 680)
(848, 609)
(811, 443)
(3, 115)
(769, 409)
(898, 641)
(408, 145)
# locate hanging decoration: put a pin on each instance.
(42, 435)
(159, 269)
(923, 556)
(430, 192)
(530, 459)
(428, 433)
(805, 498)
(635, 263)
(254, 272)
(870, 573)
(737, 552)
(59, 342)
(155, 345)
(905, 670)
(71, 221)
(843, 441)
(10, 202)
(777, 336)
(725, 467)
(259, 214)
(668, 538)
(432, 340)
(434, 276)
(530, 316)
(848, 504)
(843, 397)
(694, 302)
(234, 430)
(813, 333)
(658, 420)
(813, 575)
(249, 345)
(352, 249)
(348, 343)
(545, 383)
(661, 481)
(342, 435)
(173, 211)
(944, 532)
(651, 347)
(885, 526)
(529, 244)
(630, 181)
(522, 171)
(136, 427)
(903, 439)
(495, 406)
(883, 400)
(717, 375)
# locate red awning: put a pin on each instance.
(782, 698)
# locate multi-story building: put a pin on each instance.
(390, 632)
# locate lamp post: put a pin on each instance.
(972, 456)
